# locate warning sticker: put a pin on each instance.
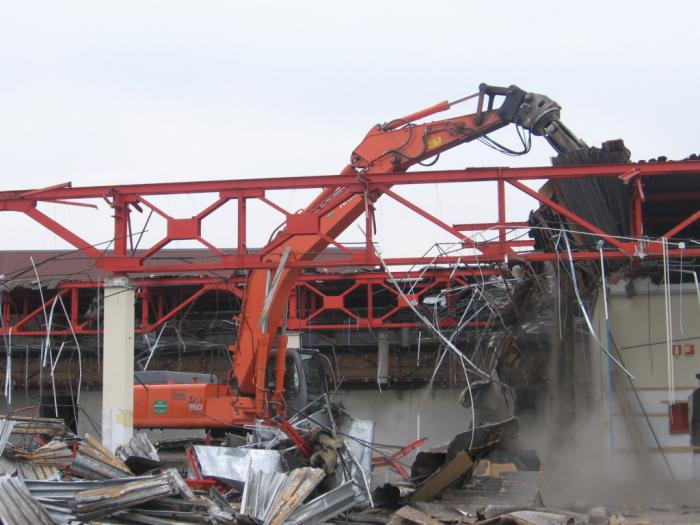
(435, 142)
(160, 407)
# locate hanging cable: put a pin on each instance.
(8, 349)
(611, 430)
(669, 325)
(77, 345)
(448, 344)
(99, 334)
(585, 313)
(681, 247)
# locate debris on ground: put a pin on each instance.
(50, 475)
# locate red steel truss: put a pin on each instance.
(320, 302)
(311, 303)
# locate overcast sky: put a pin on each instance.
(119, 92)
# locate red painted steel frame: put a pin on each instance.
(123, 199)
(160, 300)
(309, 303)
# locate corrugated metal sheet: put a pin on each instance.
(139, 446)
(324, 507)
(358, 433)
(90, 504)
(671, 184)
(60, 513)
(34, 471)
(93, 461)
(56, 266)
(271, 498)
(6, 427)
(60, 490)
(143, 499)
(602, 201)
(18, 506)
(7, 466)
(521, 488)
(54, 453)
(39, 425)
(231, 464)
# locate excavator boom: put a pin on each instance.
(394, 146)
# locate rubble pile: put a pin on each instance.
(49, 475)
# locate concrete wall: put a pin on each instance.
(638, 329)
(395, 412)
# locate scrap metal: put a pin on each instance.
(359, 435)
(6, 427)
(139, 446)
(55, 453)
(231, 464)
(325, 506)
(271, 498)
(94, 461)
(38, 425)
(31, 471)
(59, 497)
(104, 501)
(18, 506)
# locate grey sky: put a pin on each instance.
(122, 92)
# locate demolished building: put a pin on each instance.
(517, 335)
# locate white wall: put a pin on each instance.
(638, 326)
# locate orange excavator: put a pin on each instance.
(268, 379)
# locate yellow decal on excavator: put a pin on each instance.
(435, 142)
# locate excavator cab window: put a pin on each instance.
(291, 377)
(314, 376)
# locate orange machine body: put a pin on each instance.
(391, 147)
(197, 405)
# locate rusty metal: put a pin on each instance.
(90, 504)
(27, 425)
(94, 461)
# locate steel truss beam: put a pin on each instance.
(126, 198)
(314, 305)
(320, 302)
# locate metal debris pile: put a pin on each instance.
(318, 470)
(49, 475)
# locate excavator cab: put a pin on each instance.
(305, 380)
(166, 399)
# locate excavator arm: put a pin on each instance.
(391, 147)
(395, 146)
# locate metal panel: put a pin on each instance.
(139, 446)
(231, 464)
(359, 433)
(102, 502)
(324, 507)
(32, 471)
(7, 466)
(18, 506)
(59, 490)
(271, 498)
(6, 427)
(93, 461)
(38, 425)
